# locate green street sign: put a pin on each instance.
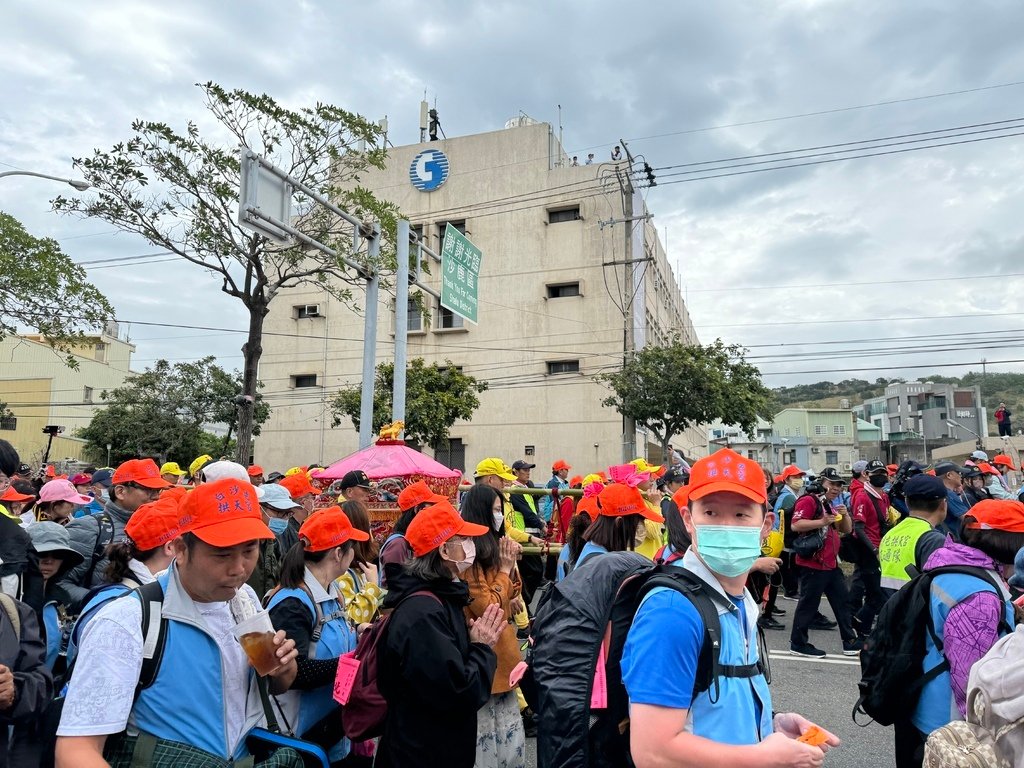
(460, 272)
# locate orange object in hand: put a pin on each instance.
(814, 736)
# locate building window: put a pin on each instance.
(564, 214)
(8, 422)
(564, 290)
(87, 395)
(796, 431)
(414, 320)
(448, 319)
(452, 455)
(459, 225)
(787, 431)
(789, 457)
(563, 366)
(304, 380)
(820, 429)
(831, 457)
(838, 429)
(302, 311)
(101, 351)
(752, 455)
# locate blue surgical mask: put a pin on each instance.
(729, 550)
(277, 524)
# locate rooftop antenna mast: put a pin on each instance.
(424, 108)
(561, 146)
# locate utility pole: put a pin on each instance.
(628, 336)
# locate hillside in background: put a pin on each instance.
(995, 388)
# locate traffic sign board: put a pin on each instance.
(460, 272)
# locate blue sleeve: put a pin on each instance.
(659, 661)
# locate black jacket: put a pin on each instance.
(25, 656)
(19, 558)
(432, 677)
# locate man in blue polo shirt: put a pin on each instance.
(727, 519)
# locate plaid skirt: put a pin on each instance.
(120, 753)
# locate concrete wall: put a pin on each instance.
(520, 329)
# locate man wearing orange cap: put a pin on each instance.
(559, 479)
(304, 494)
(255, 473)
(135, 482)
(732, 723)
(204, 698)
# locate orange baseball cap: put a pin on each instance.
(987, 468)
(434, 525)
(726, 470)
(891, 468)
(681, 497)
(224, 513)
(1004, 460)
(142, 472)
(787, 472)
(575, 480)
(997, 515)
(298, 485)
(327, 529)
(11, 494)
(559, 465)
(417, 493)
(255, 470)
(619, 499)
(588, 505)
(158, 522)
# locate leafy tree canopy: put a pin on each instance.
(435, 396)
(41, 287)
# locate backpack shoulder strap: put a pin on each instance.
(154, 632)
(11, 609)
(104, 536)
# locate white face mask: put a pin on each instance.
(498, 520)
(640, 536)
(469, 549)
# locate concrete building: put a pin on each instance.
(40, 389)
(551, 286)
(926, 408)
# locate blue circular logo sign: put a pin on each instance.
(429, 170)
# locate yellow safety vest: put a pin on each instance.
(897, 551)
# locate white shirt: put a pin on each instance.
(102, 691)
(140, 572)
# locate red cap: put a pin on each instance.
(787, 472)
(988, 469)
(298, 485)
(434, 525)
(142, 472)
(577, 480)
(559, 465)
(224, 513)
(726, 470)
(81, 479)
(158, 522)
(11, 494)
(997, 515)
(1004, 460)
(618, 500)
(417, 493)
(327, 529)
(892, 468)
(255, 470)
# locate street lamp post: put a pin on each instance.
(80, 184)
(957, 424)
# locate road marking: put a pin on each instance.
(786, 656)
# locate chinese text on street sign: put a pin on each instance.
(460, 271)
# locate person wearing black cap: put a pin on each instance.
(531, 567)
(355, 486)
(914, 539)
(974, 484)
(870, 520)
(957, 502)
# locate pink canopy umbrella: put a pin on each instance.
(386, 459)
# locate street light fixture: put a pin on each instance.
(80, 184)
(961, 426)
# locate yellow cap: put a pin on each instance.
(592, 478)
(494, 467)
(641, 465)
(172, 468)
(198, 464)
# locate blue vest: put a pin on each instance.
(590, 548)
(937, 706)
(186, 702)
(336, 638)
(786, 490)
(743, 712)
(51, 628)
(101, 597)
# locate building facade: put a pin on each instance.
(42, 390)
(550, 288)
(927, 408)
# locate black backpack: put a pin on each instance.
(893, 655)
(597, 600)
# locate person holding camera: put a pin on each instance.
(818, 518)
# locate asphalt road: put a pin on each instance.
(823, 691)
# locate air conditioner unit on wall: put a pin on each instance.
(847, 466)
(312, 310)
(815, 450)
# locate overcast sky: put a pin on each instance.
(781, 257)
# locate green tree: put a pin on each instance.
(435, 396)
(180, 190)
(162, 412)
(670, 388)
(41, 287)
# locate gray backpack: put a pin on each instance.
(993, 734)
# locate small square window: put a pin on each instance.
(87, 395)
(304, 380)
(8, 422)
(101, 351)
(820, 429)
(563, 366)
(448, 319)
(838, 429)
(564, 290)
(414, 320)
(564, 214)
(831, 457)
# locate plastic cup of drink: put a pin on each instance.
(256, 636)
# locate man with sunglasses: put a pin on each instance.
(135, 482)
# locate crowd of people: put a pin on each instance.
(218, 615)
